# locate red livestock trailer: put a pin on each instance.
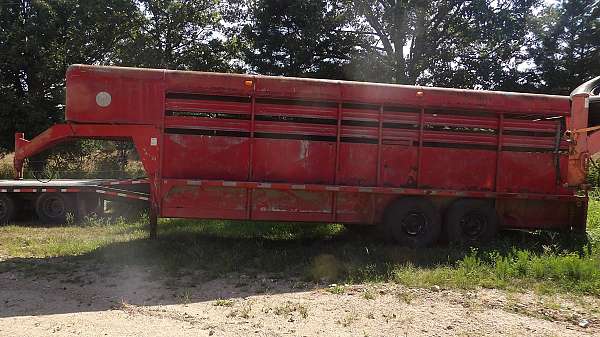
(423, 162)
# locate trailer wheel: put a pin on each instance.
(413, 222)
(7, 209)
(53, 207)
(470, 222)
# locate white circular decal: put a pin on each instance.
(103, 99)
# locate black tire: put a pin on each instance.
(413, 222)
(7, 209)
(471, 222)
(54, 207)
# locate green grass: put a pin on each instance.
(32, 241)
(543, 261)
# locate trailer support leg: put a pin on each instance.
(153, 225)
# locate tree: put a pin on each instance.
(38, 41)
(566, 51)
(455, 43)
(306, 38)
(177, 34)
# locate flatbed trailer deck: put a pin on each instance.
(109, 187)
(52, 200)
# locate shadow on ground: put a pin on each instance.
(185, 266)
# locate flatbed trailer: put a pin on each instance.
(52, 200)
(423, 162)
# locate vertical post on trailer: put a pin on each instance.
(578, 152)
(378, 176)
(337, 143)
(420, 149)
(500, 140)
(251, 151)
(379, 144)
(337, 161)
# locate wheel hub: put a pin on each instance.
(473, 224)
(414, 223)
(54, 207)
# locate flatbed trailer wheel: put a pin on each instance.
(7, 209)
(413, 222)
(471, 221)
(54, 207)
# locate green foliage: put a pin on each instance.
(306, 38)
(461, 44)
(567, 46)
(38, 41)
(86, 159)
(593, 173)
(175, 34)
(6, 167)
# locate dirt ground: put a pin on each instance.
(99, 301)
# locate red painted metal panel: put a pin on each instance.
(290, 205)
(532, 214)
(205, 105)
(354, 208)
(357, 164)
(294, 128)
(458, 169)
(204, 202)
(208, 157)
(297, 161)
(399, 166)
(272, 108)
(502, 102)
(297, 88)
(380, 93)
(458, 121)
(528, 172)
(136, 95)
(208, 83)
(207, 123)
(467, 138)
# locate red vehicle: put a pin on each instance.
(423, 162)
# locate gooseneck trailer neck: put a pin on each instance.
(421, 161)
